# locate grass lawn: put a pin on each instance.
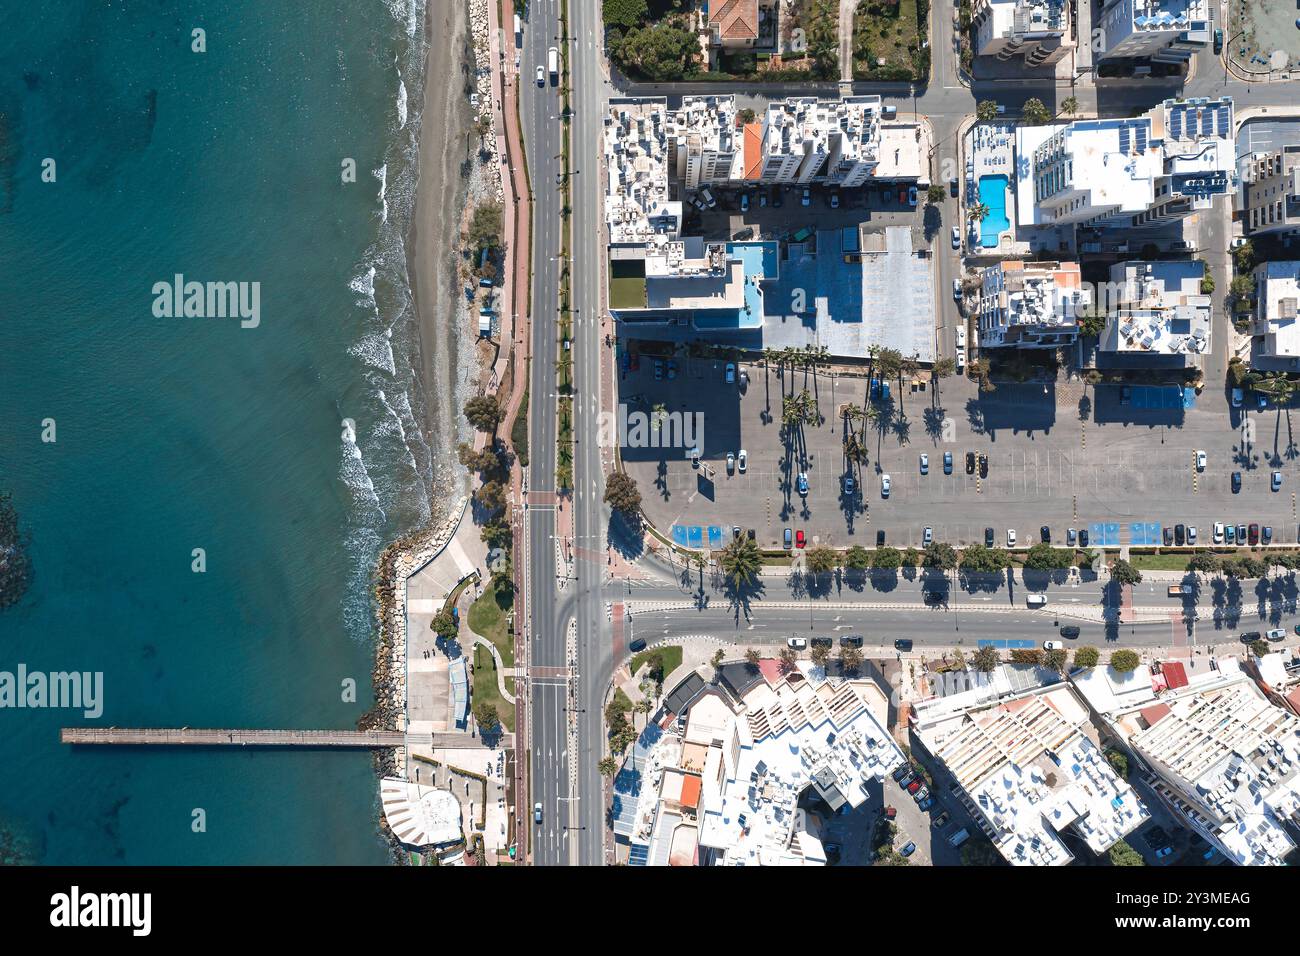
(671, 657)
(486, 689)
(1159, 562)
(487, 617)
(622, 701)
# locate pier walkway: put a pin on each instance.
(198, 737)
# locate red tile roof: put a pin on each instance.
(736, 19)
(753, 150)
(1175, 674)
(1153, 713)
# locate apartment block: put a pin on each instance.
(1156, 316)
(1133, 173)
(637, 203)
(704, 143)
(1221, 757)
(1163, 31)
(1039, 31)
(1271, 192)
(1030, 304)
(1028, 767)
(1274, 324)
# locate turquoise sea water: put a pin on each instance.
(183, 433)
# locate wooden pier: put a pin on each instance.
(198, 737)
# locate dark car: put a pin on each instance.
(880, 537)
(1236, 482)
(941, 820)
(947, 463)
(1250, 637)
(903, 644)
(1168, 535)
(1070, 631)
(984, 466)
(1218, 42)
(1045, 534)
(909, 849)
(902, 771)
(851, 640)
(1180, 535)
(1083, 537)
(637, 645)
(1266, 534)
(988, 537)
(1254, 534)
(822, 642)
(970, 463)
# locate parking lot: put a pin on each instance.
(852, 832)
(1060, 454)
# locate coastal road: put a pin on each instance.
(539, 108)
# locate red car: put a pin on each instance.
(798, 538)
(891, 812)
(915, 785)
(1254, 534)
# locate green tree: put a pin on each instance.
(940, 555)
(608, 767)
(886, 559)
(660, 52)
(1205, 562)
(491, 495)
(986, 111)
(819, 655)
(1055, 659)
(1124, 573)
(1069, 106)
(752, 658)
(621, 493)
(911, 558)
(482, 461)
(485, 715)
(1125, 661)
(1242, 287)
(857, 558)
(944, 367)
(741, 561)
(1043, 557)
(821, 560)
(444, 623)
(978, 558)
(1121, 854)
(716, 660)
(788, 658)
(483, 413)
(1026, 655)
(986, 659)
(1034, 113)
(1086, 656)
(850, 659)
(485, 226)
(1259, 648)
(625, 13)
(934, 195)
(1118, 762)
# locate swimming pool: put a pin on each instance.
(993, 193)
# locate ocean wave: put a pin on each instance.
(401, 101)
(376, 350)
(382, 175)
(364, 284)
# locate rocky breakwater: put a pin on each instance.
(485, 184)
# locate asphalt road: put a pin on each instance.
(572, 811)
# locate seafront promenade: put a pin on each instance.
(208, 737)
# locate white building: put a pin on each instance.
(1156, 315)
(1138, 172)
(1164, 31)
(1271, 191)
(1028, 767)
(1220, 756)
(726, 791)
(704, 143)
(1037, 30)
(637, 204)
(1030, 304)
(1274, 323)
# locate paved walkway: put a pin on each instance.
(502, 671)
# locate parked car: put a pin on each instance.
(1071, 536)
(928, 538)
(802, 483)
(891, 811)
(1237, 396)
(822, 642)
(807, 197)
(956, 289)
(744, 202)
(956, 237)
(1180, 534)
(942, 820)
(1249, 637)
(1253, 536)
(988, 537)
(1218, 42)
(1083, 537)
(1045, 534)
(903, 644)
(925, 804)
(1011, 537)
(884, 486)
(880, 537)
(970, 463)
(1191, 534)
(1266, 534)
(731, 462)
(849, 485)
(922, 794)
(851, 640)
(925, 463)
(1200, 460)
(729, 374)
(742, 459)
(796, 643)
(915, 786)
(1052, 645)
(911, 195)
(1277, 480)
(947, 463)
(1276, 634)
(835, 200)
(909, 849)
(1217, 536)
(984, 466)
(1241, 534)
(1230, 534)
(799, 538)
(901, 771)
(1168, 535)
(659, 369)
(788, 538)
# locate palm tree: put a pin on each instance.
(1069, 106)
(978, 211)
(741, 562)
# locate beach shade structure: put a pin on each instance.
(420, 815)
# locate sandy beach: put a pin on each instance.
(445, 157)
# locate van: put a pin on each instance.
(1036, 600)
(708, 197)
(553, 61)
(960, 837)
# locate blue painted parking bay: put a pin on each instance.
(692, 536)
(1140, 533)
(1004, 643)
(1163, 396)
(1103, 535)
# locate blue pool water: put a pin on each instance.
(993, 193)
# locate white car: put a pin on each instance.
(1191, 534)
(1276, 634)
(1011, 537)
(1218, 532)
(928, 537)
(796, 643)
(884, 486)
(541, 76)
(925, 463)
(956, 237)
(537, 807)
(742, 460)
(956, 289)
(1052, 645)
(1200, 460)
